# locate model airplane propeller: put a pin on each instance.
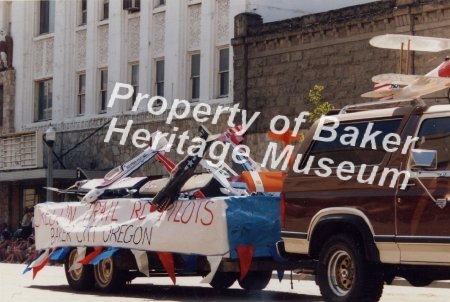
(404, 86)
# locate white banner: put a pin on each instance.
(190, 226)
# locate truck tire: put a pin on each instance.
(223, 280)
(256, 280)
(343, 273)
(108, 278)
(79, 279)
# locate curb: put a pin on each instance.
(396, 282)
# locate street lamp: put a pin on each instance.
(49, 137)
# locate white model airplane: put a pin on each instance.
(404, 86)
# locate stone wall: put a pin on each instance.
(95, 154)
(276, 64)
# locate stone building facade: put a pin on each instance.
(68, 56)
(276, 64)
(272, 68)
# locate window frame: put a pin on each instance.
(104, 10)
(419, 144)
(134, 81)
(194, 80)
(46, 23)
(81, 94)
(82, 13)
(38, 115)
(342, 125)
(159, 3)
(158, 84)
(221, 73)
(102, 91)
(132, 6)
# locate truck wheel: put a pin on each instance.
(418, 281)
(256, 280)
(81, 278)
(107, 277)
(343, 273)
(223, 280)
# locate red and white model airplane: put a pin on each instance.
(405, 86)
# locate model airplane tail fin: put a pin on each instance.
(81, 175)
(287, 138)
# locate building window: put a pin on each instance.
(135, 80)
(83, 12)
(81, 97)
(46, 16)
(103, 89)
(132, 5)
(159, 3)
(1, 105)
(44, 100)
(159, 78)
(195, 76)
(105, 10)
(224, 72)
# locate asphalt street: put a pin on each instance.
(50, 285)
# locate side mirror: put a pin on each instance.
(421, 158)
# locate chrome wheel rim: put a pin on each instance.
(75, 274)
(104, 271)
(341, 273)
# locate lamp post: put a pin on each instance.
(50, 136)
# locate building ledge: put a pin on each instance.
(34, 174)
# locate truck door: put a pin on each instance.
(423, 215)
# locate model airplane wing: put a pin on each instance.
(61, 191)
(417, 43)
(396, 78)
(378, 94)
(416, 80)
(419, 86)
(153, 186)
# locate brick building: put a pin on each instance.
(276, 64)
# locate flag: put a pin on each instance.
(108, 253)
(167, 261)
(214, 262)
(141, 261)
(245, 253)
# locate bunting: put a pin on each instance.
(92, 255)
(168, 263)
(40, 262)
(141, 261)
(106, 254)
(214, 262)
(81, 252)
(60, 254)
(245, 253)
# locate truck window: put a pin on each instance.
(339, 152)
(434, 134)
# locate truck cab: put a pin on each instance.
(369, 200)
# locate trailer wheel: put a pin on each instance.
(107, 276)
(343, 273)
(256, 280)
(223, 280)
(81, 278)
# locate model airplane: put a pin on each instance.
(182, 172)
(122, 171)
(404, 86)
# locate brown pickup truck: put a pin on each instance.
(369, 200)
